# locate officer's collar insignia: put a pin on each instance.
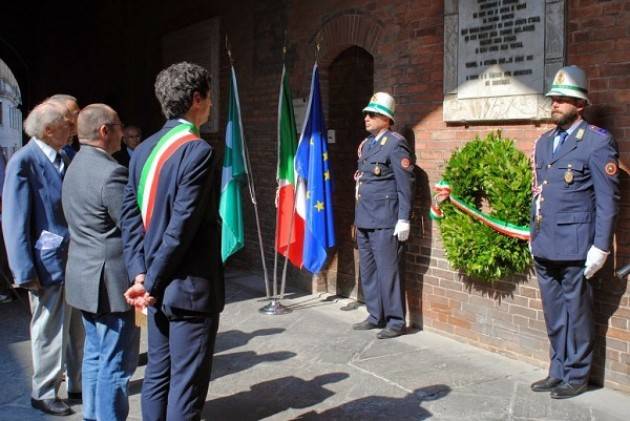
(383, 140)
(611, 168)
(580, 134)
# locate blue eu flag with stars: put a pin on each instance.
(313, 169)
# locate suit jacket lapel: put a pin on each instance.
(570, 143)
(49, 174)
(376, 148)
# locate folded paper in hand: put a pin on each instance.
(48, 241)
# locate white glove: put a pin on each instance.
(402, 230)
(595, 260)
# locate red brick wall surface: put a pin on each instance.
(405, 39)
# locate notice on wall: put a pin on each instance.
(501, 49)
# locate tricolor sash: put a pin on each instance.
(175, 138)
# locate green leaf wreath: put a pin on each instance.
(494, 172)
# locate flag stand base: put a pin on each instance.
(274, 308)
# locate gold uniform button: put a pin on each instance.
(548, 165)
(545, 182)
(570, 166)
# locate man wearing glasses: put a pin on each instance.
(384, 191)
(574, 207)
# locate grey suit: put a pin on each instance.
(96, 278)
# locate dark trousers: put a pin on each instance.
(379, 258)
(567, 299)
(180, 348)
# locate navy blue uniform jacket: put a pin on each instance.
(180, 251)
(579, 196)
(384, 195)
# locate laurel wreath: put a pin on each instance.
(493, 172)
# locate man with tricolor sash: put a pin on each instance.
(171, 247)
(574, 207)
(384, 193)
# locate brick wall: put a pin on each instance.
(405, 39)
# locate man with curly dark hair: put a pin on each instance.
(171, 246)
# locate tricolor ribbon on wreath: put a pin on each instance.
(443, 192)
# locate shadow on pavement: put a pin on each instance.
(382, 407)
(271, 397)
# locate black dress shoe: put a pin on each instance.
(51, 406)
(364, 325)
(389, 333)
(545, 385)
(75, 398)
(568, 390)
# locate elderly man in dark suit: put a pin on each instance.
(171, 241)
(96, 278)
(36, 238)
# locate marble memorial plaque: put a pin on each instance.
(498, 55)
(501, 48)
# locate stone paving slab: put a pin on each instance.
(310, 365)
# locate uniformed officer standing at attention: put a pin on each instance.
(575, 203)
(384, 189)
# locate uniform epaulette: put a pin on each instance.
(598, 130)
(397, 135)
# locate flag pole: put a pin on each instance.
(250, 181)
(286, 260)
(275, 307)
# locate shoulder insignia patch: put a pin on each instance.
(611, 168)
(405, 163)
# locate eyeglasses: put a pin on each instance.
(370, 114)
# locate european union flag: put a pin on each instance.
(314, 195)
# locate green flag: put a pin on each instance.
(234, 174)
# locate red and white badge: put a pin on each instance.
(611, 168)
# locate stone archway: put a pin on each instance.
(351, 36)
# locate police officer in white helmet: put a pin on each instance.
(384, 190)
(574, 207)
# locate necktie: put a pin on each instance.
(58, 163)
(372, 143)
(559, 140)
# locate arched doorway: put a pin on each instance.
(350, 85)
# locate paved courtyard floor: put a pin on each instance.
(309, 364)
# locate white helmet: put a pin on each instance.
(569, 81)
(382, 103)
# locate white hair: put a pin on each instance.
(46, 114)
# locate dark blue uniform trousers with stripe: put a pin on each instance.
(379, 258)
(567, 302)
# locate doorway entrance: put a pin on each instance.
(350, 84)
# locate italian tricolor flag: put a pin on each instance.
(289, 223)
